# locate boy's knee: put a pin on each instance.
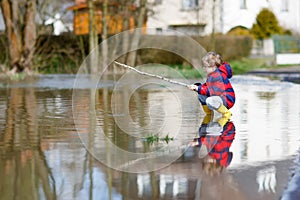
(214, 102)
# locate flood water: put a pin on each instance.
(51, 147)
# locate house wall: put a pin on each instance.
(234, 15)
(170, 13)
(290, 19)
(228, 14)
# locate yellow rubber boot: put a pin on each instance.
(208, 116)
(224, 111)
(207, 110)
(222, 121)
(207, 119)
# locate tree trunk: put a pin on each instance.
(104, 35)
(30, 36)
(131, 59)
(93, 39)
(21, 33)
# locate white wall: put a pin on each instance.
(171, 12)
(228, 14)
(287, 58)
(235, 16)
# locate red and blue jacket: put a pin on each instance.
(218, 84)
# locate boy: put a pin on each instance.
(216, 93)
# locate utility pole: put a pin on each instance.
(221, 16)
(213, 25)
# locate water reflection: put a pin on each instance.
(24, 171)
(41, 156)
(266, 178)
(215, 139)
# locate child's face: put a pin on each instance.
(209, 70)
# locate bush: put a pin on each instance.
(234, 47)
(266, 25)
(230, 47)
(59, 54)
(159, 56)
(65, 53)
(239, 31)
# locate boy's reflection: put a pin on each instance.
(215, 139)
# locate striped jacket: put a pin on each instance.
(218, 84)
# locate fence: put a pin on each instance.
(287, 49)
(286, 44)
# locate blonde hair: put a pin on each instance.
(212, 59)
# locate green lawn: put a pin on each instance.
(245, 65)
(241, 66)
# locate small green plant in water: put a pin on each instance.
(167, 139)
(155, 138)
(152, 138)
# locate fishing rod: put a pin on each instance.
(152, 75)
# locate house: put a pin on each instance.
(117, 18)
(192, 17)
(244, 12)
(202, 17)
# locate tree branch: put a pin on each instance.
(151, 75)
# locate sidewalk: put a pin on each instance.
(289, 74)
(283, 70)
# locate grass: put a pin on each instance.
(187, 71)
(241, 66)
(245, 65)
(17, 76)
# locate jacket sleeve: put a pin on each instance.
(203, 89)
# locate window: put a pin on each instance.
(243, 4)
(284, 6)
(190, 4)
(157, 2)
(159, 30)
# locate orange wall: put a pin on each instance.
(115, 23)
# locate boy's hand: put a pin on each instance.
(193, 87)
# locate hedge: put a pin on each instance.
(65, 53)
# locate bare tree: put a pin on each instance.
(104, 34)
(20, 26)
(137, 34)
(22, 18)
(93, 38)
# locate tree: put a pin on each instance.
(93, 38)
(22, 19)
(266, 25)
(19, 17)
(131, 59)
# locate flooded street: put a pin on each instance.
(56, 142)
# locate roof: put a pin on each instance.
(85, 5)
(188, 25)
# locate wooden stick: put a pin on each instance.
(152, 75)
